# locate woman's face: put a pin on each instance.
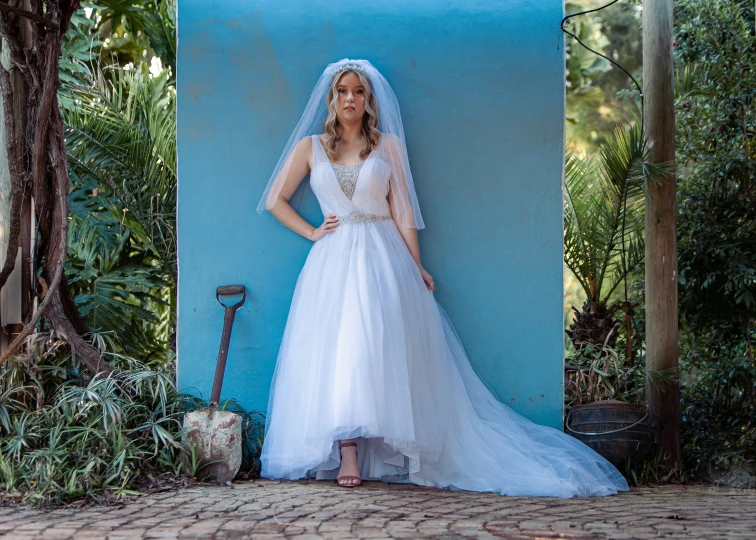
(350, 104)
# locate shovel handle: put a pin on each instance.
(229, 290)
(228, 323)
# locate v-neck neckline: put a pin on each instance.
(332, 166)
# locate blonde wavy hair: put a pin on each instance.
(333, 128)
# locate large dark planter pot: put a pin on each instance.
(615, 429)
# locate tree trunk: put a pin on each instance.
(661, 236)
(13, 93)
(39, 159)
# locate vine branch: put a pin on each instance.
(28, 15)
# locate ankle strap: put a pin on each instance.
(343, 444)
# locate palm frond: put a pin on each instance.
(604, 210)
(122, 137)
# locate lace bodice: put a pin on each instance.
(355, 193)
(347, 176)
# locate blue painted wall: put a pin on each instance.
(481, 86)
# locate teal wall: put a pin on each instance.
(481, 86)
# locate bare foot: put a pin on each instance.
(349, 465)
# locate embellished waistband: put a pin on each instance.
(357, 217)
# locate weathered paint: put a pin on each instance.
(481, 86)
(218, 438)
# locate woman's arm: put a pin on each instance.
(409, 234)
(401, 206)
(292, 173)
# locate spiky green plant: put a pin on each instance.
(604, 224)
(72, 437)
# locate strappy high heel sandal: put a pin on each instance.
(342, 445)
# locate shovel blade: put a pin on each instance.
(218, 437)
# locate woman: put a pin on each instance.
(371, 379)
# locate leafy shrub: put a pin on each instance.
(599, 372)
(717, 237)
(66, 436)
(718, 405)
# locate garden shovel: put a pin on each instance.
(216, 434)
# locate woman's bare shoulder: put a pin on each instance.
(305, 142)
(390, 141)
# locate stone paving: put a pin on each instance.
(318, 509)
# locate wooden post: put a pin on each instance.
(661, 234)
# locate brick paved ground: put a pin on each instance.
(266, 509)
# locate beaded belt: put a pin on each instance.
(357, 217)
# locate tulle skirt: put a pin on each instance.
(368, 353)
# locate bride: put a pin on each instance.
(371, 380)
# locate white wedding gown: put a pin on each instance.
(368, 352)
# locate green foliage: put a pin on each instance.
(597, 89)
(583, 66)
(122, 267)
(716, 124)
(714, 91)
(137, 35)
(717, 256)
(598, 372)
(63, 436)
(125, 33)
(136, 26)
(121, 145)
(717, 192)
(718, 404)
(79, 43)
(604, 211)
(121, 138)
(119, 289)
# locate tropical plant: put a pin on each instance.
(65, 436)
(80, 46)
(120, 33)
(604, 225)
(137, 35)
(134, 29)
(122, 263)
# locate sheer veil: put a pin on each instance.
(392, 146)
